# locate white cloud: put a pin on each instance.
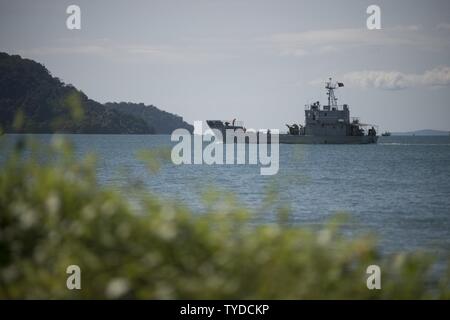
(334, 40)
(207, 49)
(395, 80)
(130, 52)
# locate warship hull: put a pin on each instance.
(306, 139)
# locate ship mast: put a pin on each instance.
(330, 86)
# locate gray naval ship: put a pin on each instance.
(327, 124)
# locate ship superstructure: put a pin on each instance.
(327, 124)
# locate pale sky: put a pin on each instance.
(255, 60)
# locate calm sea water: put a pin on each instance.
(398, 189)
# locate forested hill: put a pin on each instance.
(163, 122)
(33, 101)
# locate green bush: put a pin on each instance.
(54, 214)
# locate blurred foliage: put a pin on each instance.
(54, 214)
(154, 157)
(75, 105)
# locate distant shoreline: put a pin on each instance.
(423, 132)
